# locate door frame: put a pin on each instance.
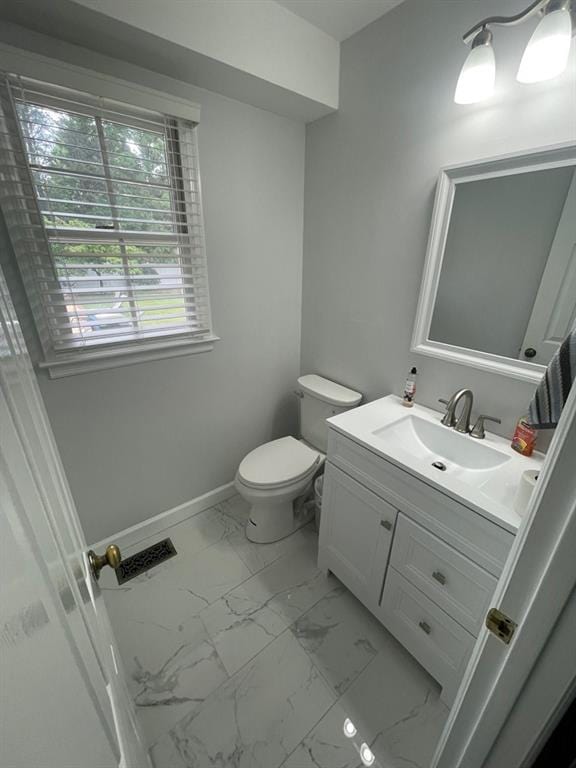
(537, 581)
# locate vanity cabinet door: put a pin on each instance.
(355, 535)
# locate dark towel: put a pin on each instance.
(553, 390)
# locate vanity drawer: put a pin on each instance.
(450, 579)
(469, 532)
(438, 642)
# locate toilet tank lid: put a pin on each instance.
(329, 391)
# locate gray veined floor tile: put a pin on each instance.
(171, 663)
(166, 692)
(341, 636)
(255, 719)
(170, 669)
(249, 617)
(177, 589)
(258, 556)
(395, 707)
(165, 754)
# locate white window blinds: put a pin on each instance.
(102, 203)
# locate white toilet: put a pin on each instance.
(276, 477)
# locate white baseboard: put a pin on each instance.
(130, 537)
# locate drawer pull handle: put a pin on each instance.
(386, 524)
(425, 627)
(440, 578)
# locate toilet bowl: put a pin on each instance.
(271, 478)
(276, 478)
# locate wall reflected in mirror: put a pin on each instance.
(507, 283)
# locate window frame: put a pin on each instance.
(106, 91)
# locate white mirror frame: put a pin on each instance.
(557, 156)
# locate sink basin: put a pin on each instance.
(434, 442)
(483, 474)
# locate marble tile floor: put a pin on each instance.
(244, 655)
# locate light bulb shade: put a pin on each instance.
(476, 81)
(546, 55)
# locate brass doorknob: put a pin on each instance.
(111, 557)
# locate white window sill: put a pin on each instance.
(89, 361)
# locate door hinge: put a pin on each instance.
(500, 625)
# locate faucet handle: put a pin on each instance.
(449, 419)
(478, 429)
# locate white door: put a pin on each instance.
(534, 591)
(63, 698)
(554, 311)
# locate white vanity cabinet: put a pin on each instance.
(422, 562)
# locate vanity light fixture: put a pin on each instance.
(545, 57)
(476, 81)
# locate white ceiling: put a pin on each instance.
(340, 18)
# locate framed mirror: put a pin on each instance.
(499, 284)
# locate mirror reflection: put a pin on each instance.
(508, 278)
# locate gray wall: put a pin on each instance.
(371, 171)
(500, 235)
(138, 440)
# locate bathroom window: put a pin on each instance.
(102, 203)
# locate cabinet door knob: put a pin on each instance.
(386, 524)
(440, 578)
(425, 627)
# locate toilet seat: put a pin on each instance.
(278, 463)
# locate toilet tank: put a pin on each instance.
(320, 399)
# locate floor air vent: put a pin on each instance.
(145, 560)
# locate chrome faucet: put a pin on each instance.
(462, 424)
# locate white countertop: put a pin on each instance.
(492, 491)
